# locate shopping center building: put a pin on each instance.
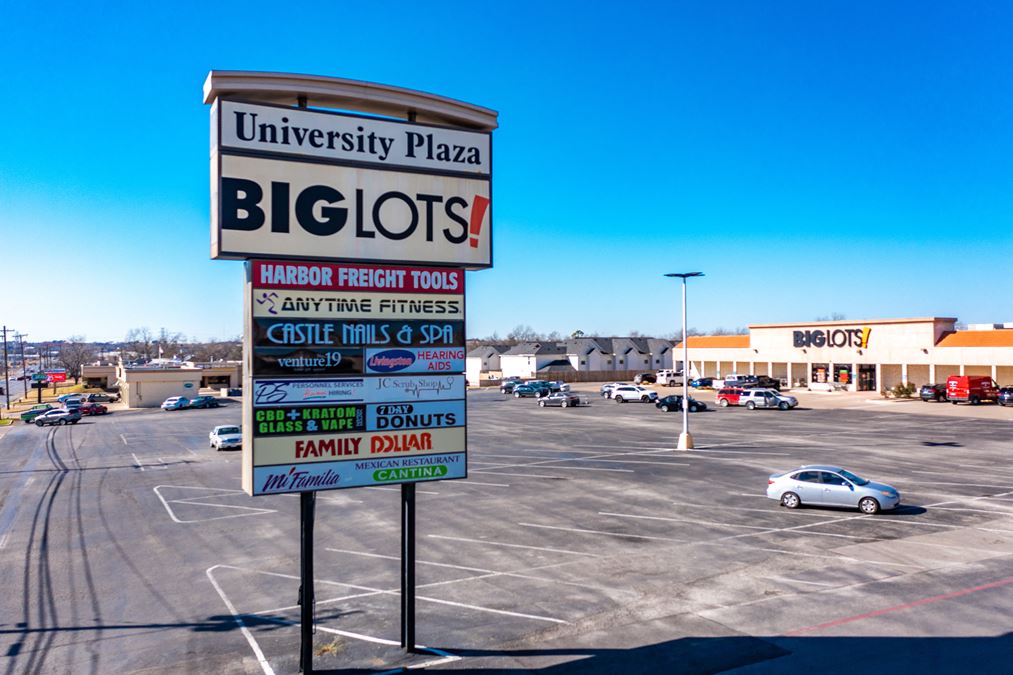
(858, 355)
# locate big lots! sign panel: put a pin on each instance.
(311, 184)
(354, 375)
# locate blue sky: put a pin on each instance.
(810, 158)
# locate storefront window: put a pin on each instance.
(820, 373)
(843, 374)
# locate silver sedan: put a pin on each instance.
(819, 485)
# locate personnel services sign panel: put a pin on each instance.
(295, 183)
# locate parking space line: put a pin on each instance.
(381, 591)
(504, 544)
(397, 489)
(475, 482)
(896, 608)
(598, 457)
(484, 573)
(681, 520)
(614, 534)
(261, 659)
(137, 462)
(801, 581)
(746, 508)
(175, 519)
(519, 475)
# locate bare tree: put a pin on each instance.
(170, 345)
(522, 333)
(74, 353)
(215, 350)
(141, 342)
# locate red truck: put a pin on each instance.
(971, 389)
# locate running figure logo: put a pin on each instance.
(268, 299)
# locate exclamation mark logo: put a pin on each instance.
(865, 337)
(478, 209)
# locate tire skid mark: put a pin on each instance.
(38, 544)
(82, 545)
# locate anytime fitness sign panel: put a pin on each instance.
(305, 186)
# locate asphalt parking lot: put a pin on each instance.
(582, 542)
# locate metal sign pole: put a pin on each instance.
(307, 501)
(408, 550)
(408, 567)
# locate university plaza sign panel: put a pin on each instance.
(298, 183)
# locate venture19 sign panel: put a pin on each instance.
(356, 375)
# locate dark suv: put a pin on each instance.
(933, 392)
(766, 382)
(645, 378)
(1005, 396)
(507, 385)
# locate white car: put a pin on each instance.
(766, 398)
(175, 403)
(632, 392)
(226, 436)
(607, 388)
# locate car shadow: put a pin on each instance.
(942, 444)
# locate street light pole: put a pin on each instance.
(7, 376)
(24, 368)
(685, 438)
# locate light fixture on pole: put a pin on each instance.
(685, 438)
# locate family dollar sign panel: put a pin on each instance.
(356, 375)
(356, 228)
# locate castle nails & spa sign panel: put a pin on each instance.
(354, 375)
(308, 184)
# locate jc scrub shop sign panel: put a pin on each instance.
(307, 184)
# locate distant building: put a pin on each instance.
(483, 363)
(586, 355)
(859, 355)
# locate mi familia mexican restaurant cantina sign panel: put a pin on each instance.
(356, 376)
(309, 184)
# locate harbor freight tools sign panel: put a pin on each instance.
(354, 376)
(299, 183)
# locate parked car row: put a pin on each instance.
(184, 403)
(623, 392)
(755, 398)
(73, 407)
(972, 389)
(531, 388)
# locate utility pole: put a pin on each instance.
(20, 337)
(7, 377)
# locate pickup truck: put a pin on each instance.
(669, 378)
